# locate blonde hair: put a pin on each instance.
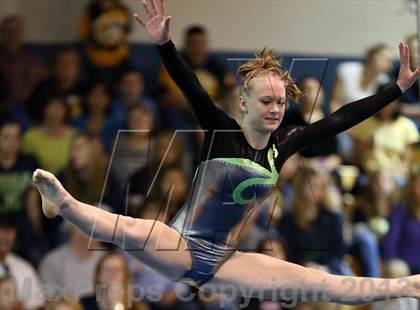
(302, 179)
(92, 190)
(265, 62)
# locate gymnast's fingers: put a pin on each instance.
(404, 56)
(166, 25)
(139, 20)
(155, 9)
(146, 9)
(162, 7)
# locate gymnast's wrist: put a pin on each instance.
(403, 87)
(164, 42)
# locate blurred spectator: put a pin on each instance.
(304, 229)
(385, 141)
(65, 81)
(403, 238)
(64, 304)
(19, 69)
(173, 187)
(324, 154)
(85, 177)
(130, 93)
(103, 31)
(97, 121)
(285, 181)
(50, 142)
(68, 270)
(212, 74)
(375, 202)
(15, 169)
(170, 191)
(168, 151)
(355, 80)
(19, 269)
(132, 148)
(8, 294)
(18, 198)
(113, 286)
(396, 269)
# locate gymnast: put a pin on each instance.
(239, 169)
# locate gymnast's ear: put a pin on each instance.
(242, 105)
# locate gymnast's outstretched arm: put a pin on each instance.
(183, 75)
(357, 111)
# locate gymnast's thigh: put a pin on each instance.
(160, 247)
(256, 275)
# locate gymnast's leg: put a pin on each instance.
(261, 276)
(153, 242)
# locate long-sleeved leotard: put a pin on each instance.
(233, 178)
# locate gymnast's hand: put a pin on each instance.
(158, 24)
(406, 77)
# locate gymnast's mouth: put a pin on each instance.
(272, 119)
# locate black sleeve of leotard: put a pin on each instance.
(206, 112)
(344, 118)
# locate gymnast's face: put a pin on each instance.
(264, 105)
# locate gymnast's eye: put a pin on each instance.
(282, 102)
(266, 101)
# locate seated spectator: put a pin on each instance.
(113, 286)
(50, 142)
(18, 198)
(97, 121)
(167, 152)
(8, 294)
(325, 153)
(131, 151)
(385, 142)
(64, 304)
(65, 81)
(403, 238)
(130, 93)
(19, 269)
(285, 181)
(68, 270)
(313, 234)
(212, 74)
(20, 69)
(103, 31)
(15, 169)
(85, 177)
(375, 200)
(355, 80)
(169, 192)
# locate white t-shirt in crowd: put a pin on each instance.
(64, 274)
(29, 289)
(350, 74)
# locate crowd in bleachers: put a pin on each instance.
(349, 205)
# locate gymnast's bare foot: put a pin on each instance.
(53, 194)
